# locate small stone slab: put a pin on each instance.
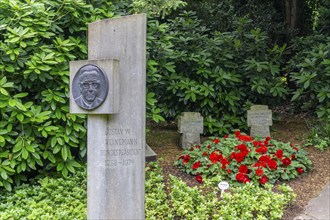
(190, 122)
(150, 154)
(190, 125)
(259, 118)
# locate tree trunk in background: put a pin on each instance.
(291, 18)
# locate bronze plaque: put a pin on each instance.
(90, 87)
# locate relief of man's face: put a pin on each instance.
(89, 86)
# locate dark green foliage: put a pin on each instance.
(319, 134)
(310, 71)
(214, 14)
(218, 75)
(221, 15)
(323, 17)
(37, 41)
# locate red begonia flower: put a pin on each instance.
(199, 179)
(286, 161)
(259, 172)
(196, 165)
(263, 179)
(279, 154)
(243, 169)
(300, 170)
(272, 164)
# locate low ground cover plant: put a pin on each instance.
(241, 159)
(156, 202)
(65, 198)
(253, 202)
(319, 135)
(49, 198)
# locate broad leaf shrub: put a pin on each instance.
(310, 72)
(65, 198)
(219, 74)
(37, 41)
(239, 159)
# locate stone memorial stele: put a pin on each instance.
(190, 125)
(259, 118)
(111, 88)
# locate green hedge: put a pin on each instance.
(50, 198)
(37, 41)
(65, 198)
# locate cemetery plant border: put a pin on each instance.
(240, 159)
(58, 198)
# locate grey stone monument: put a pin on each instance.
(190, 125)
(259, 118)
(111, 87)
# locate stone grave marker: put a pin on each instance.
(150, 154)
(111, 87)
(190, 125)
(259, 118)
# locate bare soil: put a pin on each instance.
(164, 140)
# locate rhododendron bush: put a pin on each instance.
(240, 158)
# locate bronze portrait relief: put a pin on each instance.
(90, 87)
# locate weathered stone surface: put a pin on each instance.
(259, 118)
(150, 154)
(116, 143)
(190, 122)
(259, 107)
(190, 125)
(111, 103)
(188, 140)
(260, 131)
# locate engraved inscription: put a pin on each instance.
(260, 118)
(121, 148)
(122, 152)
(122, 141)
(116, 162)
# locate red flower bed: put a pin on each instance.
(240, 158)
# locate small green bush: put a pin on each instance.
(253, 202)
(190, 203)
(50, 198)
(248, 202)
(319, 134)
